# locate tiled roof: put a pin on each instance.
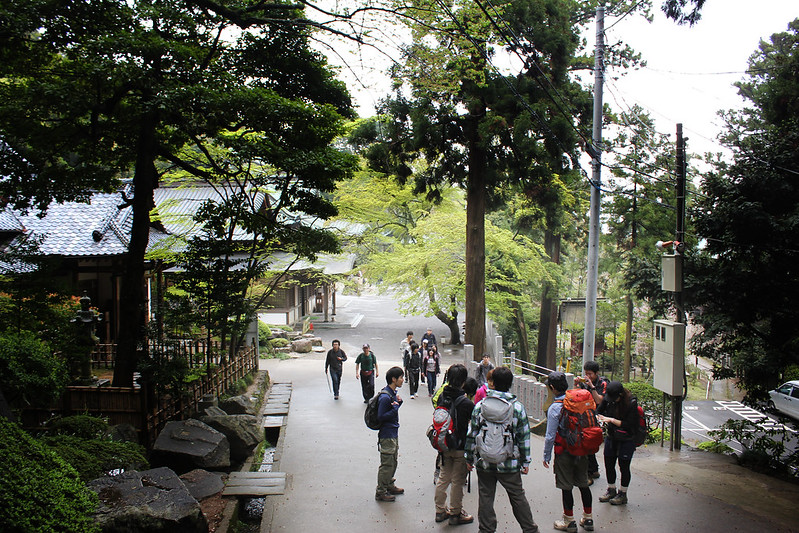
(9, 221)
(76, 229)
(176, 205)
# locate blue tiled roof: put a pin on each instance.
(9, 221)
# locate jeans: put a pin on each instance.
(335, 378)
(431, 383)
(389, 450)
(487, 489)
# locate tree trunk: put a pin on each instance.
(131, 307)
(475, 235)
(452, 324)
(521, 329)
(628, 339)
(548, 323)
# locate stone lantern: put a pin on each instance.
(85, 321)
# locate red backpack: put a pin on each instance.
(579, 433)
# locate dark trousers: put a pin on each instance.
(368, 384)
(413, 379)
(335, 378)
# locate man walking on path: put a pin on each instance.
(405, 344)
(333, 363)
(366, 371)
(387, 438)
(453, 462)
(570, 470)
(430, 337)
(412, 362)
(501, 406)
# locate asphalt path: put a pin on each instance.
(331, 461)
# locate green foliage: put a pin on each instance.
(39, 491)
(83, 426)
(747, 214)
(279, 342)
(715, 446)
(264, 333)
(791, 373)
(769, 448)
(93, 458)
(29, 372)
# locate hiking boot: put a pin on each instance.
(384, 497)
(590, 480)
(566, 524)
(619, 499)
(609, 495)
(587, 523)
(396, 490)
(461, 518)
(440, 517)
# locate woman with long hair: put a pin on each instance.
(619, 412)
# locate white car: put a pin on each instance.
(785, 399)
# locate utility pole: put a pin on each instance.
(679, 236)
(595, 152)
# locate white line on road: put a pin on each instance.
(747, 413)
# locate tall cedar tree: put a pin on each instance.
(744, 290)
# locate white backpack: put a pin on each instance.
(494, 441)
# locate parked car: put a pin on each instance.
(785, 399)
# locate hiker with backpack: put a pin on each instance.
(366, 371)
(596, 385)
(450, 424)
(412, 362)
(388, 404)
(570, 470)
(498, 445)
(619, 411)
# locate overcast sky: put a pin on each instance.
(688, 77)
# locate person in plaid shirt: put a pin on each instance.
(509, 472)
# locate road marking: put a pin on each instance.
(747, 413)
(691, 407)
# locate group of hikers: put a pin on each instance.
(478, 424)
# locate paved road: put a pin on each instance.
(331, 462)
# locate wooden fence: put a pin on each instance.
(146, 410)
(194, 352)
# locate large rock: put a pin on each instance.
(238, 405)
(302, 345)
(190, 444)
(202, 483)
(242, 433)
(150, 501)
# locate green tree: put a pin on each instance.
(94, 92)
(744, 287)
(475, 127)
(30, 374)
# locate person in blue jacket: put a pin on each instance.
(388, 436)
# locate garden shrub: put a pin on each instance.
(765, 448)
(39, 491)
(279, 342)
(83, 426)
(29, 372)
(714, 446)
(93, 458)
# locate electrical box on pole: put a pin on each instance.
(671, 272)
(669, 358)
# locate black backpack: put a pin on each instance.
(370, 415)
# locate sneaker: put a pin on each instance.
(440, 517)
(384, 497)
(335, 397)
(396, 490)
(619, 499)
(461, 518)
(563, 525)
(587, 523)
(594, 475)
(590, 480)
(609, 495)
